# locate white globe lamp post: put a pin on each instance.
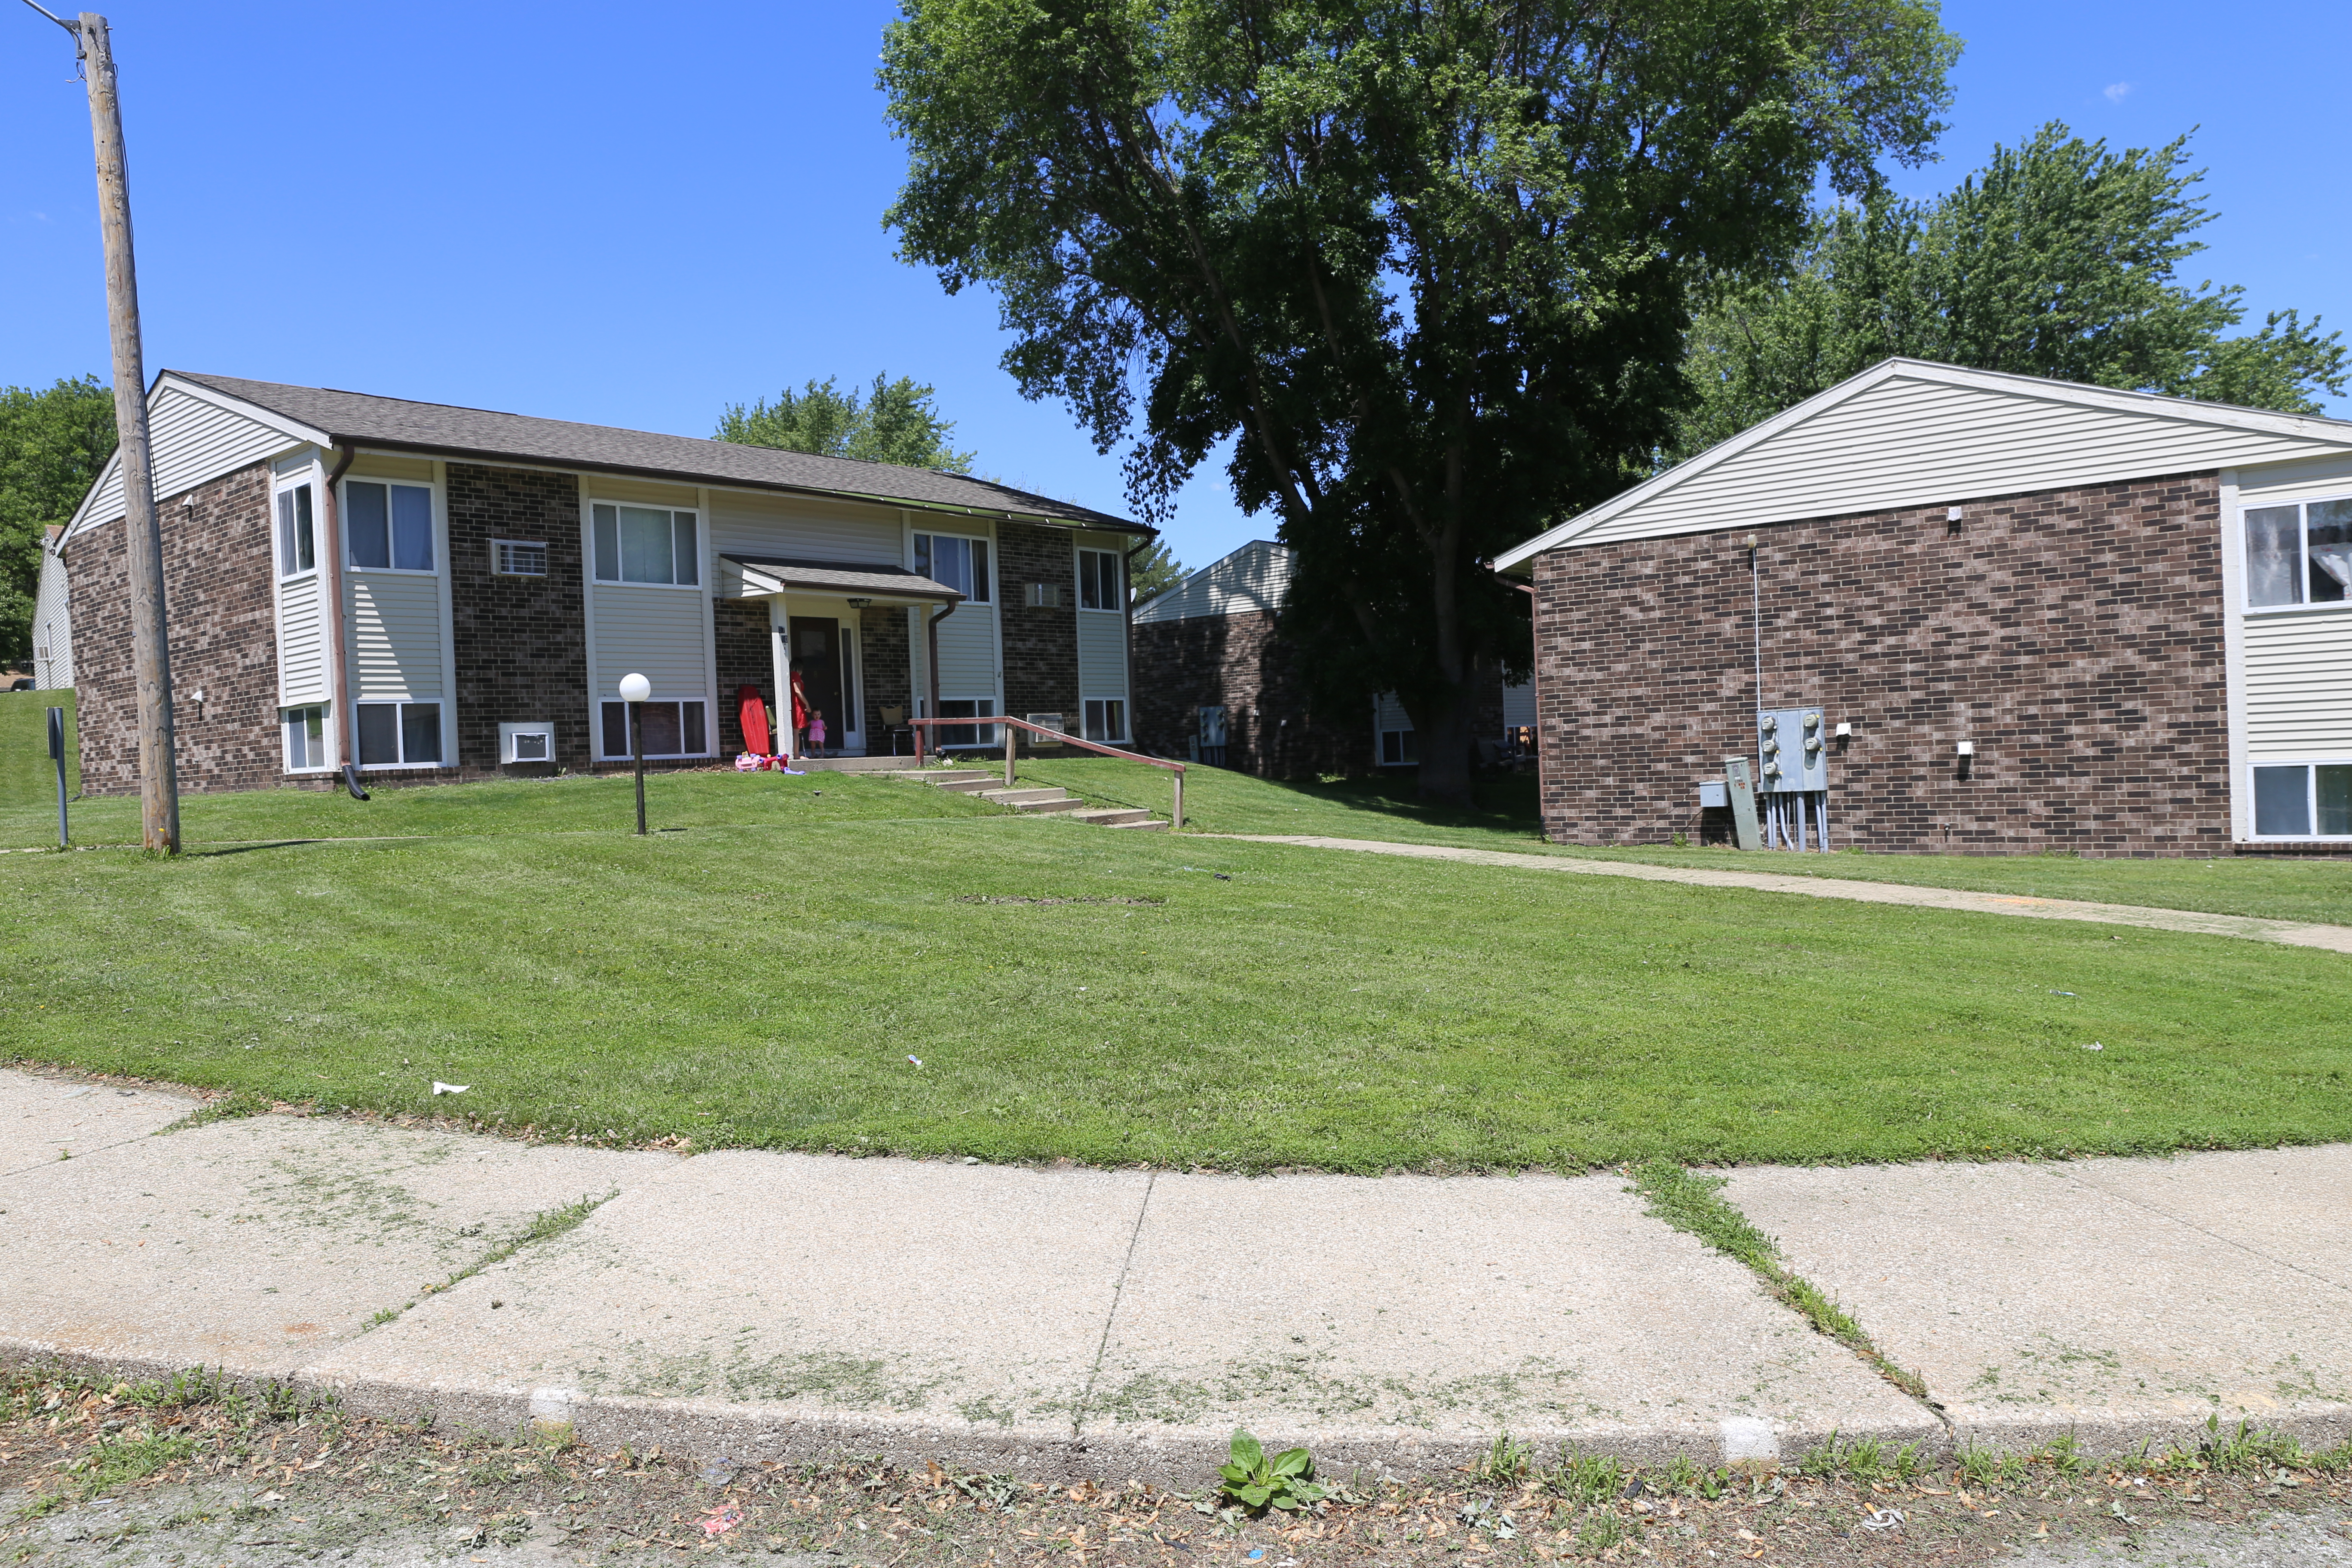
(635, 690)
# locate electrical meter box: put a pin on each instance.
(1791, 751)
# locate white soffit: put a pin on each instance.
(1907, 433)
(195, 435)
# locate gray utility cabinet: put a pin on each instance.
(1792, 751)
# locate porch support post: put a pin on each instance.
(779, 647)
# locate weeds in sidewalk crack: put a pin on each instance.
(545, 1226)
(1693, 1201)
(227, 1108)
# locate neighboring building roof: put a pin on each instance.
(328, 418)
(1255, 577)
(1908, 433)
(838, 577)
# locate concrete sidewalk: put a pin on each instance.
(1068, 1322)
(2294, 933)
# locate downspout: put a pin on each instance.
(931, 637)
(1127, 633)
(346, 722)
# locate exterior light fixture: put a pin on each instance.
(635, 690)
(860, 604)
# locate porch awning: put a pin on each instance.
(765, 574)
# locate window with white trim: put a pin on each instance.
(2303, 800)
(399, 734)
(968, 735)
(962, 564)
(2299, 554)
(305, 738)
(645, 544)
(669, 728)
(518, 558)
(1099, 579)
(298, 549)
(389, 527)
(1398, 749)
(1105, 720)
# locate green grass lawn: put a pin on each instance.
(764, 984)
(1218, 801)
(27, 775)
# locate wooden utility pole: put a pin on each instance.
(142, 538)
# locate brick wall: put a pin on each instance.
(886, 680)
(1041, 644)
(218, 583)
(744, 645)
(1236, 661)
(521, 642)
(2075, 635)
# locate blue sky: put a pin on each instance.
(635, 214)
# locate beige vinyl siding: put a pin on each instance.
(191, 442)
(1518, 705)
(1908, 442)
(798, 529)
(2312, 480)
(2298, 685)
(968, 652)
(303, 670)
(395, 622)
(1102, 654)
(386, 466)
(654, 632)
(1255, 577)
(52, 626)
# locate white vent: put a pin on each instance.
(1043, 595)
(1053, 722)
(518, 558)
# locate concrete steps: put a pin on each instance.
(1044, 800)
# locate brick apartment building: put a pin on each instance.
(2025, 615)
(1217, 681)
(433, 593)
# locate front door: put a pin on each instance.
(816, 655)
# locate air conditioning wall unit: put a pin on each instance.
(528, 742)
(1056, 721)
(1043, 595)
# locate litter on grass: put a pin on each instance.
(722, 1519)
(440, 1088)
(917, 1060)
(2095, 1046)
(1883, 1518)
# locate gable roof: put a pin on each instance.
(1908, 433)
(1255, 577)
(328, 418)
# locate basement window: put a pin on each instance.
(2303, 800)
(306, 739)
(669, 728)
(1397, 749)
(1105, 720)
(967, 734)
(399, 734)
(2298, 555)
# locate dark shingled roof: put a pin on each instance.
(839, 576)
(391, 422)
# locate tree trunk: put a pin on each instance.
(1445, 733)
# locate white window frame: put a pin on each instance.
(1380, 748)
(2310, 800)
(709, 717)
(701, 538)
(284, 489)
(432, 488)
(2301, 606)
(499, 547)
(1115, 564)
(1124, 737)
(326, 736)
(983, 588)
(400, 728)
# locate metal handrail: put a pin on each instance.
(1060, 737)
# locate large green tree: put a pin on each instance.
(894, 422)
(52, 445)
(2057, 258)
(1424, 263)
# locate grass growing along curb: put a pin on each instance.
(229, 1106)
(1693, 1201)
(545, 1226)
